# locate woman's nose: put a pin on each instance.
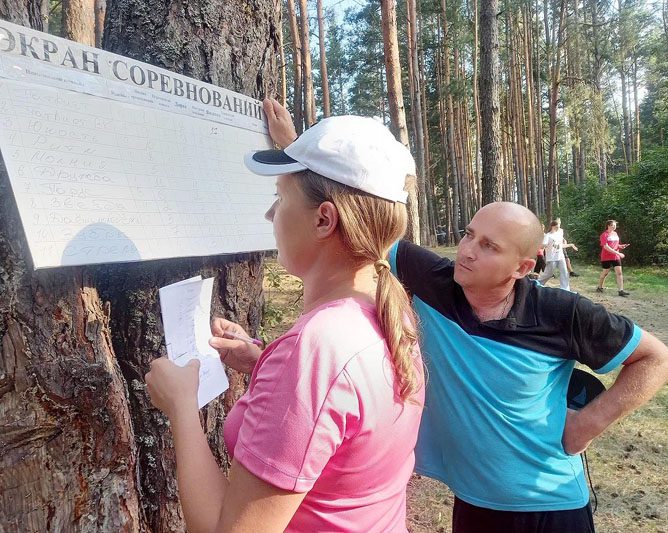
(269, 215)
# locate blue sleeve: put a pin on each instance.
(393, 258)
(412, 264)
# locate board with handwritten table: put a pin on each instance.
(106, 166)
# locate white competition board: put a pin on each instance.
(114, 160)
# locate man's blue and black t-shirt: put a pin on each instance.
(496, 391)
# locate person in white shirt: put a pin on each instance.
(555, 243)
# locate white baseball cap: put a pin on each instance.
(356, 151)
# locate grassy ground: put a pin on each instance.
(628, 464)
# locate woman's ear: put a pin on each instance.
(327, 219)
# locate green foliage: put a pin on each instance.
(336, 58)
(365, 63)
(654, 108)
(274, 277)
(586, 117)
(638, 201)
(272, 316)
(278, 308)
(56, 18)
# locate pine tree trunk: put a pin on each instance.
(451, 207)
(81, 448)
(68, 459)
(472, 182)
(515, 109)
(489, 96)
(553, 94)
(602, 166)
(626, 125)
(79, 21)
(324, 80)
(100, 12)
(416, 116)
(430, 222)
(30, 13)
(540, 153)
(532, 192)
(467, 187)
(282, 93)
(388, 13)
(298, 91)
(636, 107)
(476, 97)
(597, 62)
(309, 99)
(459, 215)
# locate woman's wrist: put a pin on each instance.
(184, 413)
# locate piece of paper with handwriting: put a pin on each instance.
(114, 160)
(186, 312)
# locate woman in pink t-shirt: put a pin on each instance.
(611, 257)
(323, 438)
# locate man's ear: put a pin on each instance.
(526, 265)
(327, 219)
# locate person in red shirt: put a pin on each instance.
(611, 257)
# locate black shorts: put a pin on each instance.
(606, 265)
(540, 264)
(467, 518)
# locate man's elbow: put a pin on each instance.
(653, 354)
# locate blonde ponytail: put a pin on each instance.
(398, 323)
(369, 226)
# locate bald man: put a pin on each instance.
(500, 350)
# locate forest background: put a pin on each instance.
(582, 89)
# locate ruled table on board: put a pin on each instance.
(99, 180)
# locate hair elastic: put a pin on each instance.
(380, 265)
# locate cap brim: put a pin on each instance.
(272, 163)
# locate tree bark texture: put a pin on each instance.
(476, 86)
(100, 12)
(448, 140)
(79, 21)
(298, 90)
(416, 116)
(489, 98)
(282, 93)
(227, 43)
(30, 13)
(80, 447)
(309, 99)
(388, 13)
(553, 98)
(324, 79)
(532, 186)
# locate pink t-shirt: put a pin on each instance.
(612, 240)
(321, 416)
